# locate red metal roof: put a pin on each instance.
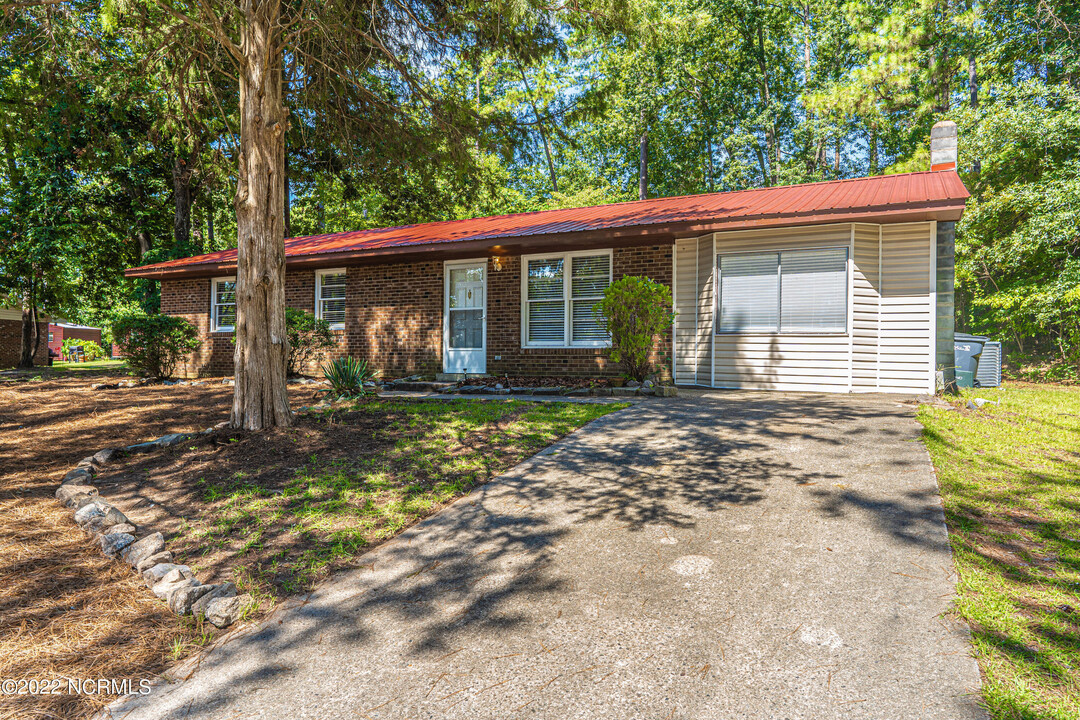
(832, 201)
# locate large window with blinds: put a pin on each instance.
(330, 297)
(223, 304)
(791, 291)
(559, 296)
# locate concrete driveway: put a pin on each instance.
(729, 555)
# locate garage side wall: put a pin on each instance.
(890, 341)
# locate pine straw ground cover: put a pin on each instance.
(67, 612)
(1010, 482)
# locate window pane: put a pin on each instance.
(586, 322)
(589, 275)
(748, 293)
(546, 279)
(226, 316)
(466, 288)
(332, 286)
(467, 329)
(333, 311)
(225, 292)
(546, 321)
(813, 290)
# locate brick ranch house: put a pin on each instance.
(843, 286)
(61, 331)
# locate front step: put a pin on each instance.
(457, 377)
(421, 385)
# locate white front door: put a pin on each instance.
(464, 321)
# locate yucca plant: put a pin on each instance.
(347, 376)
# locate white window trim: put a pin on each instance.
(567, 304)
(214, 305)
(319, 274)
(779, 297)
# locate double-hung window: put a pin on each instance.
(791, 291)
(559, 297)
(223, 304)
(330, 297)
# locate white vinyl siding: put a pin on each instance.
(330, 297)
(883, 343)
(223, 304)
(559, 297)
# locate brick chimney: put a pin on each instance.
(943, 146)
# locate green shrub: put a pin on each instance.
(91, 350)
(347, 376)
(154, 344)
(309, 338)
(636, 309)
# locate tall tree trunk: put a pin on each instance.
(288, 195)
(540, 128)
(873, 140)
(643, 160)
(766, 97)
(210, 224)
(31, 335)
(973, 89)
(260, 398)
(183, 172)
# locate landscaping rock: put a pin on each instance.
(86, 513)
(522, 390)
(633, 384)
(121, 528)
(68, 493)
(78, 476)
(667, 391)
(158, 572)
(115, 517)
(81, 500)
(624, 391)
(87, 463)
(222, 425)
(224, 590)
(223, 611)
(578, 392)
(471, 389)
(647, 384)
(549, 391)
(181, 599)
(101, 457)
(161, 558)
(128, 383)
(179, 576)
(96, 525)
(112, 543)
(148, 546)
(600, 391)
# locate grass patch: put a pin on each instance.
(1010, 481)
(93, 365)
(276, 512)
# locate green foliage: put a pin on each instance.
(154, 344)
(347, 376)
(91, 349)
(309, 338)
(636, 310)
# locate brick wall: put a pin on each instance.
(504, 319)
(394, 318)
(11, 343)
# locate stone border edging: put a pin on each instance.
(115, 535)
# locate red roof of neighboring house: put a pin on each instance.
(895, 198)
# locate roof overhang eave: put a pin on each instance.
(950, 210)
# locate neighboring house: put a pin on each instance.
(833, 286)
(61, 331)
(11, 338)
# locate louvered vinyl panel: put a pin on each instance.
(907, 316)
(686, 311)
(865, 302)
(705, 265)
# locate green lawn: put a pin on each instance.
(94, 365)
(1010, 480)
(404, 460)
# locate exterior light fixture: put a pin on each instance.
(496, 263)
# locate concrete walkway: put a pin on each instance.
(732, 555)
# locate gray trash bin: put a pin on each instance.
(968, 348)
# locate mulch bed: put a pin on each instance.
(65, 610)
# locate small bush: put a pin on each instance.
(636, 309)
(347, 376)
(154, 344)
(309, 338)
